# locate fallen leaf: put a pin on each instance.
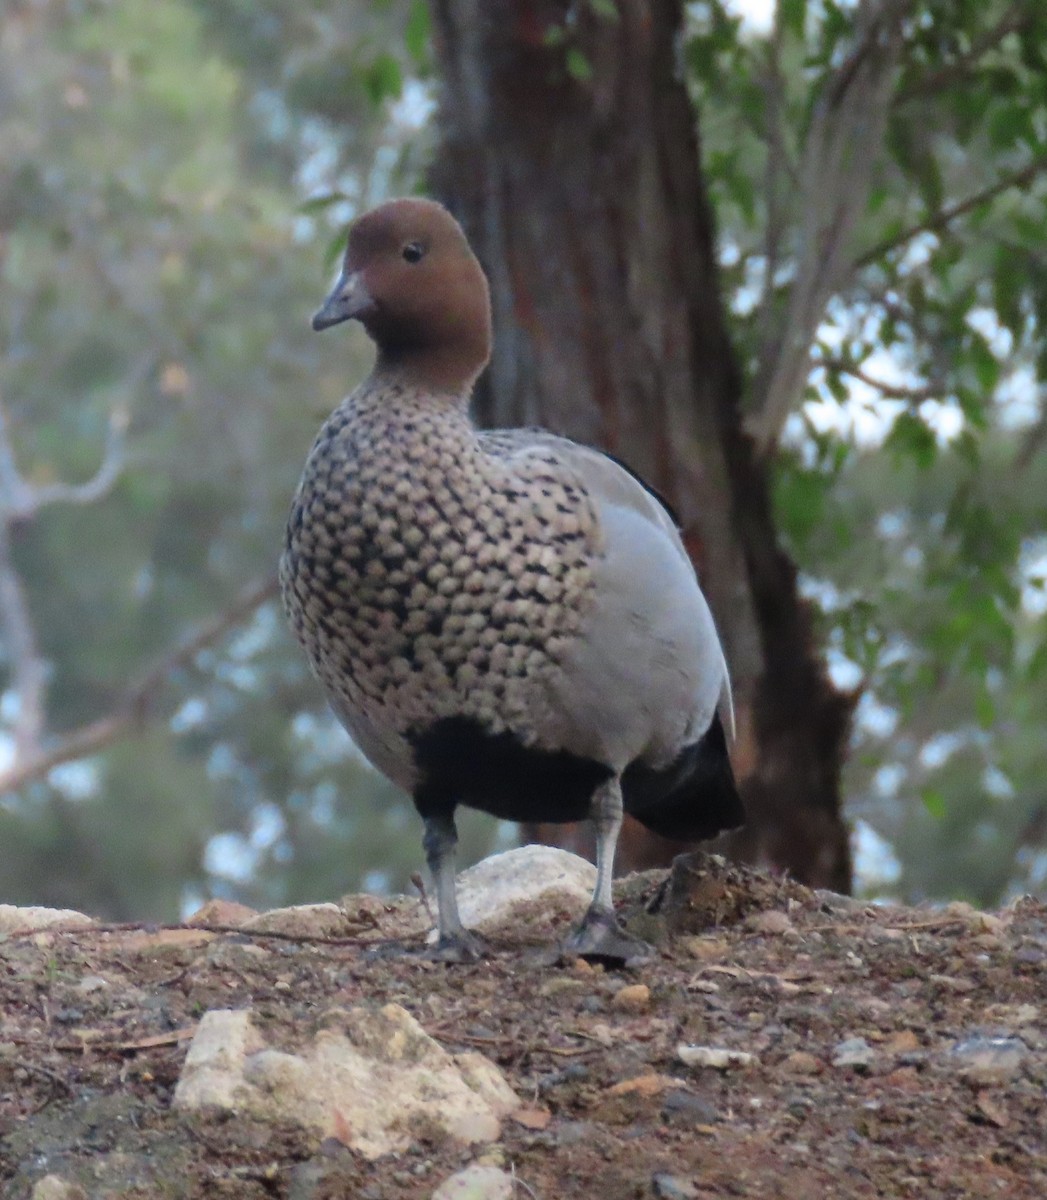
(643, 1085)
(902, 1041)
(634, 997)
(533, 1118)
(992, 1112)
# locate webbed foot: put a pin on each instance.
(462, 946)
(601, 938)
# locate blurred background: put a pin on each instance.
(842, 209)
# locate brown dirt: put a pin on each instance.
(87, 1068)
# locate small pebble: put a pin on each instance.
(92, 983)
(559, 984)
(954, 983)
(902, 1041)
(802, 1063)
(476, 1183)
(54, 1187)
(903, 1077)
(672, 1187)
(705, 949)
(717, 1057)
(575, 1073)
(984, 922)
(634, 997)
(684, 1104)
(642, 1085)
(772, 920)
(570, 1133)
(854, 1052)
(533, 1118)
(989, 1110)
(988, 1060)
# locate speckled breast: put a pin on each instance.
(428, 576)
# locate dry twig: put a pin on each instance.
(133, 708)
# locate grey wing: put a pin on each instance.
(648, 673)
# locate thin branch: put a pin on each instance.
(14, 491)
(308, 939)
(100, 484)
(893, 391)
(774, 99)
(1012, 21)
(938, 221)
(25, 662)
(133, 708)
(1031, 444)
(21, 500)
(844, 140)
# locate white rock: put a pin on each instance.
(854, 1052)
(985, 1060)
(92, 983)
(476, 1183)
(771, 920)
(310, 920)
(54, 1187)
(531, 885)
(213, 1068)
(717, 1057)
(369, 1078)
(13, 918)
(487, 1081)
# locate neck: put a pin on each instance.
(427, 370)
(392, 395)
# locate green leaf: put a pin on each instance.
(606, 9)
(911, 437)
(792, 13)
(800, 501)
(985, 365)
(578, 66)
(1009, 125)
(317, 204)
(383, 80)
(934, 802)
(417, 31)
(984, 708)
(1036, 667)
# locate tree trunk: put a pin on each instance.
(569, 151)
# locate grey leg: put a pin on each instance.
(456, 943)
(599, 935)
(607, 821)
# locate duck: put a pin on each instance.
(505, 620)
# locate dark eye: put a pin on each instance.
(413, 252)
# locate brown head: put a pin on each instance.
(410, 278)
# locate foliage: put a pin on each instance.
(158, 271)
(910, 484)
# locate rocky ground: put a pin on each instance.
(783, 1043)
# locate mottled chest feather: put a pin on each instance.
(432, 572)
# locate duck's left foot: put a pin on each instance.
(602, 939)
(463, 946)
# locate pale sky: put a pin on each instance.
(757, 13)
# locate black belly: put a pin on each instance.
(460, 762)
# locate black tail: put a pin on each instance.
(692, 799)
